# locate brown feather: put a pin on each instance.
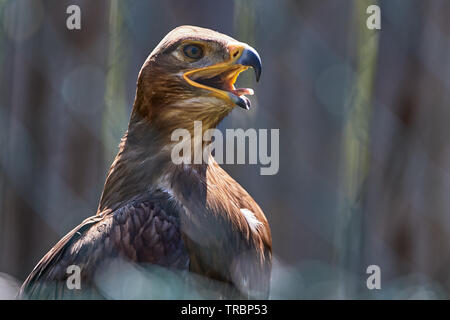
(152, 212)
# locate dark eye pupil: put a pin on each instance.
(193, 52)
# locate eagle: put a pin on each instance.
(192, 220)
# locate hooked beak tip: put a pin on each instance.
(250, 58)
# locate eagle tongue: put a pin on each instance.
(242, 91)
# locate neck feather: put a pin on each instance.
(141, 159)
(145, 150)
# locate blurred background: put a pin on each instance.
(363, 116)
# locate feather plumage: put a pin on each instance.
(191, 219)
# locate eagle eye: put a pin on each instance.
(193, 51)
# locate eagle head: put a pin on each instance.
(190, 77)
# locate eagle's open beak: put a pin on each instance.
(220, 78)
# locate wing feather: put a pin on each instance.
(140, 233)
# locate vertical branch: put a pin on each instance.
(355, 150)
(3, 140)
(115, 115)
(244, 25)
(244, 20)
